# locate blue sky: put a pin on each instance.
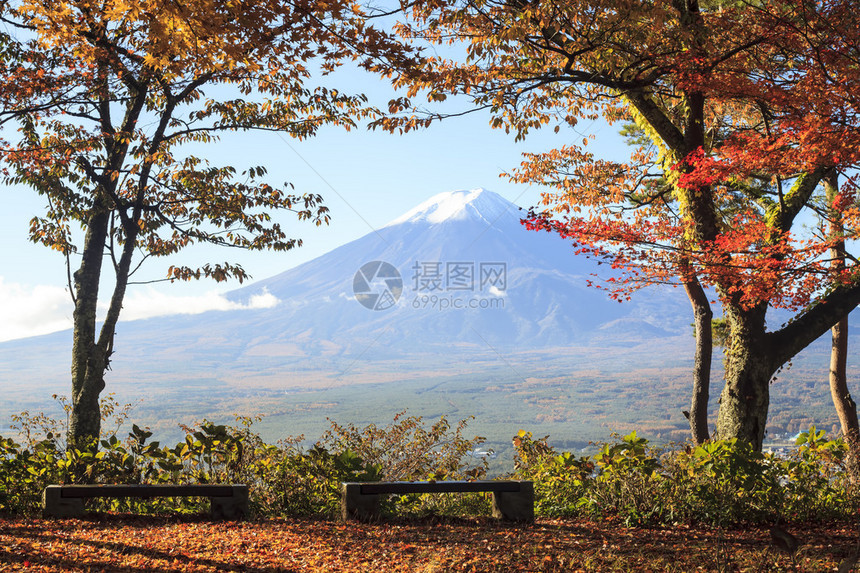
(366, 179)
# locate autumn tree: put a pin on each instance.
(746, 107)
(115, 100)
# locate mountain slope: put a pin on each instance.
(545, 299)
(476, 293)
(472, 276)
(525, 343)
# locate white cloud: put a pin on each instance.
(497, 292)
(151, 302)
(27, 310)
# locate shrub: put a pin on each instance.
(722, 482)
(817, 478)
(407, 450)
(560, 480)
(308, 482)
(628, 482)
(718, 483)
(283, 479)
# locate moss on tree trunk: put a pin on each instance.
(749, 368)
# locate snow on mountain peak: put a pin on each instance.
(458, 205)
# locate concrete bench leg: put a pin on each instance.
(354, 505)
(53, 505)
(234, 507)
(515, 506)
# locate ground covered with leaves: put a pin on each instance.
(159, 544)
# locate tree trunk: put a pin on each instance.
(846, 409)
(91, 357)
(703, 316)
(749, 369)
(88, 361)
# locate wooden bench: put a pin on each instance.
(512, 500)
(226, 501)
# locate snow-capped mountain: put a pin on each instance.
(477, 204)
(452, 308)
(469, 273)
(455, 276)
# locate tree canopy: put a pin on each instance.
(114, 102)
(737, 111)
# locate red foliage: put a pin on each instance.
(137, 544)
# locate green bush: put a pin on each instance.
(560, 480)
(718, 483)
(722, 482)
(818, 482)
(628, 482)
(24, 472)
(283, 479)
(308, 482)
(407, 450)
